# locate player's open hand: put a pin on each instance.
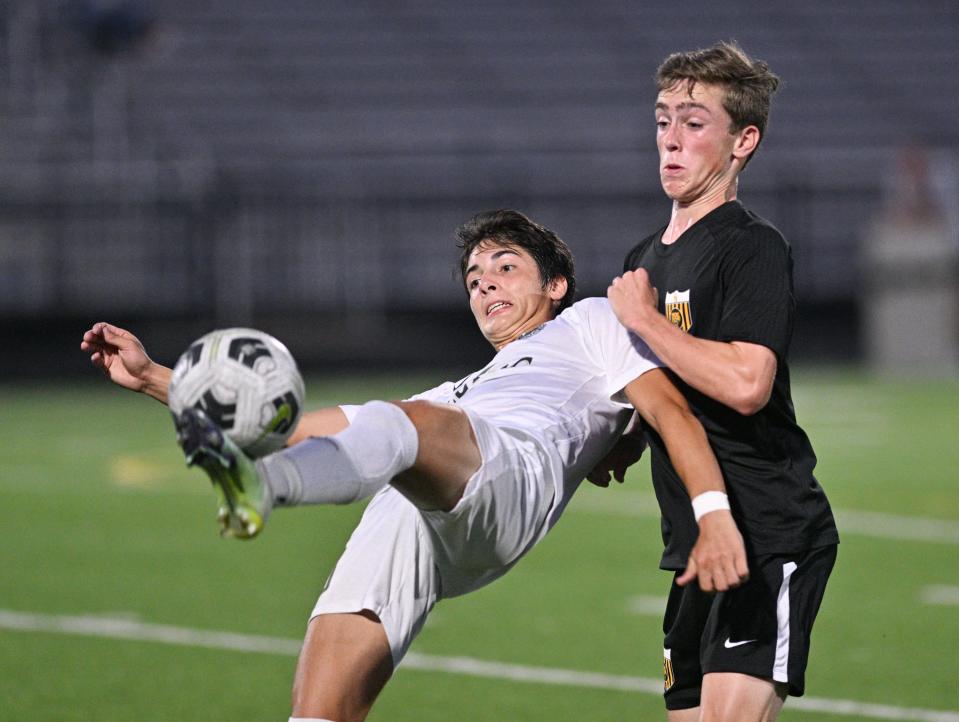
(119, 354)
(627, 451)
(632, 298)
(718, 560)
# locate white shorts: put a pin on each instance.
(400, 560)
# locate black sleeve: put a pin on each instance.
(633, 257)
(757, 282)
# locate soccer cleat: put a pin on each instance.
(244, 499)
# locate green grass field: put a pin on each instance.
(112, 569)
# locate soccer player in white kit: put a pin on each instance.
(466, 477)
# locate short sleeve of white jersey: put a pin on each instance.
(441, 394)
(350, 410)
(623, 355)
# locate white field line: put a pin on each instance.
(940, 594)
(646, 604)
(861, 523)
(128, 629)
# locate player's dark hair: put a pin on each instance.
(748, 84)
(513, 229)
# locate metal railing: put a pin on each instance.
(233, 257)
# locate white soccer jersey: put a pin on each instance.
(561, 385)
(545, 410)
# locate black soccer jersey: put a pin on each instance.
(729, 278)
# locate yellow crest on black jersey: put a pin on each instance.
(669, 678)
(677, 309)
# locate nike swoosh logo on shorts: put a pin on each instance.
(729, 645)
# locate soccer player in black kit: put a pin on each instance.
(711, 293)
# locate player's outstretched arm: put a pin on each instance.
(718, 559)
(122, 358)
(735, 373)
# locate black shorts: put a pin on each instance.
(761, 628)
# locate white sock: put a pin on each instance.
(308, 719)
(380, 443)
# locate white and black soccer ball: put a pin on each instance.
(246, 381)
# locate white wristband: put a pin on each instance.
(709, 501)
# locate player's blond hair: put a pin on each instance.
(748, 84)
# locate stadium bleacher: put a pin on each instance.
(271, 139)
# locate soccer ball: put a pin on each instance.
(246, 382)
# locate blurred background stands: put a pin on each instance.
(184, 164)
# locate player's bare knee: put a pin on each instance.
(731, 697)
(429, 418)
(447, 442)
(446, 458)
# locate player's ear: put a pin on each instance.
(746, 141)
(557, 288)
